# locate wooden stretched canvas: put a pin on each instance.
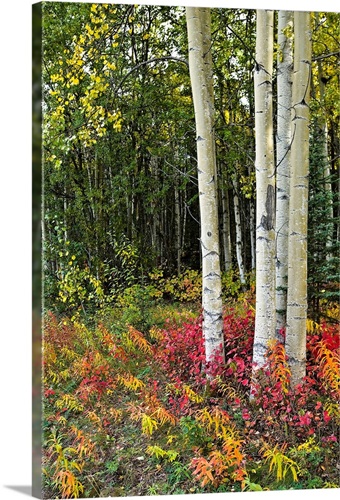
(185, 250)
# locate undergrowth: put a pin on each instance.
(130, 412)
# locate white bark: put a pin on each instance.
(265, 188)
(155, 228)
(65, 218)
(298, 206)
(327, 170)
(238, 228)
(178, 227)
(200, 65)
(226, 229)
(283, 145)
(252, 233)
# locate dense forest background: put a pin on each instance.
(120, 168)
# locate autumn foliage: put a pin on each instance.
(118, 400)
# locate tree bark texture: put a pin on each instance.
(283, 146)
(238, 229)
(298, 205)
(265, 188)
(200, 64)
(226, 228)
(324, 131)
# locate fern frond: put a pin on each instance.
(219, 466)
(156, 451)
(226, 389)
(130, 382)
(203, 470)
(70, 402)
(312, 326)
(93, 417)
(139, 340)
(308, 446)
(117, 415)
(68, 354)
(164, 416)
(279, 368)
(214, 420)
(49, 354)
(65, 375)
(61, 420)
(279, 462)
(149, 425)
(70, 486)
(156, 334)
(192, 395)
(157, 410)
(333, 410)
(52, 376)
(329, 363)
(204, 417)
(84, 445)
(232, 450)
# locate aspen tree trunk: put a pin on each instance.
(223, 197)
(200, 65)
(265, 188)
(184, 223)
(298, 204)
(283, 145)
(252, 233)
(155, 232)
(238, 227)
(327, 172)
(178, 227)
(226, 228)
(252, 228)
(65, 218)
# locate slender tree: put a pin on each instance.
(283, 145)
(322, 119)
(238, 231)
(200, 65)
(298, 205)
(265, 188)
(226, 228)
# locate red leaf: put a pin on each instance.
(326, 417)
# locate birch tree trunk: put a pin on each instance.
(265, 188)
(155, 231)
(252, 233)
(238, 228)
(327, 171)
(200, 65)
(252, 227)
(178, 226)
(226, 228)
(298, 205)
(283, 145)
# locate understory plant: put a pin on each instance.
(121, 404)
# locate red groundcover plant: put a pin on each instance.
(278, 406)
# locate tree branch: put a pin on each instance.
(155, 59)
(324, 56)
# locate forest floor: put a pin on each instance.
(128, 410)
